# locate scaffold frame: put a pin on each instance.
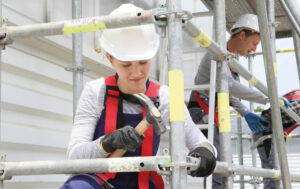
(176, 20)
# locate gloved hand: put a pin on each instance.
(254, 121)
(286, 103)
(124, 138)
(207, 162)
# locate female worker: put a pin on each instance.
(106, 115)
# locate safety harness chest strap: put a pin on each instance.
(112, 101)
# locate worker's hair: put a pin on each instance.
(248, 32)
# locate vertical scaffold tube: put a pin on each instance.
(296, 39)
(239, 144)
(0, 71)
(272, 89)
(77, 56)
(271, 19)
(176, 90)
(223, 95)
(253, 152)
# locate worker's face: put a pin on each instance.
(248, 44)
(133, 75)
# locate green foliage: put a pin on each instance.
(258, 109)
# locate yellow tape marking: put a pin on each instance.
(286, 50)
(238, 115)
(223, 110)
(281, 102)
(176, 92)
(253, 81)
(70, 27)
(289, 137)
(275, 68)
(203, 39)
(276, 175)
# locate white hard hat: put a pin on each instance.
(130, 43)
(246, 21)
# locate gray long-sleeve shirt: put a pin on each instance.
(236, 89)
(90, 106)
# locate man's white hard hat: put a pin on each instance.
(246, 21)
(130, 43)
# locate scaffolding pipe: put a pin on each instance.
(176, 91)
(294, 9)
(253, 152)
(211, 111)
(204, 41)
(240, 147)
(124, 164)
(271, 20)
(223, 95)
(161, 59)
(10, 33)
(202, 14)
(161, 164)
(197, 87)
(223, 168)
(0, 73)
(290, 8)
(296, 40)
(77, 56)
(272, 87)
(286, 50)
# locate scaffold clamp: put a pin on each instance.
(162, 15)
(2, 170)
(4, 40)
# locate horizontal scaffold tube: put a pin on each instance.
(77, 25)
(223, 169)
(125, 164)
(206, 42)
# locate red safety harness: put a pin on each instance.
(293, 95)
(205, 108)
(112, 100)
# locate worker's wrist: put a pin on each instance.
(101, 146)
(246, 112)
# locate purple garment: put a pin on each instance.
(82, 181)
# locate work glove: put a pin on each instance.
(124, 138)
(207, 162)
(285, 102)
(254, 121)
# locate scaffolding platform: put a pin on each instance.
(236, 8)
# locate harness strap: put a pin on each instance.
(112, 99)
(205, 108)
(290, 129)
(292, 92)
(148, 141)
(293, 97)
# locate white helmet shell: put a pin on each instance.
(246, 21)
(130, 43)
